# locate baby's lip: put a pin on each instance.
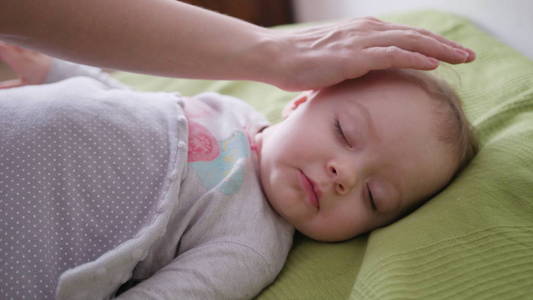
(313, 189)
(317, 191)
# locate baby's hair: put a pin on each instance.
(453, 127)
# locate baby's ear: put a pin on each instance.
(295, 103)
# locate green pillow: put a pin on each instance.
(474, 240)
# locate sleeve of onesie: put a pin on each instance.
(217, 270)
(61, 69)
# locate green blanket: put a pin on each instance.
(472, 241)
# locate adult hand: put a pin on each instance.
(30, 66)
(175, 39)
(324, 55)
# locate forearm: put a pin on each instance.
(175, 39)
(170, 38)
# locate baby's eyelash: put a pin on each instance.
(340, 133)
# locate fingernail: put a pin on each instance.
(463, 53)
(471, 54)
(474, 55)
(432, 61)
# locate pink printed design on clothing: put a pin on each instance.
(202, 144)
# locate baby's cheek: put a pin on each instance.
(202, 144)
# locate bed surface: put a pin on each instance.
(474, 240)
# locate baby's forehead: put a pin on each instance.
(379, 80)
(373, 85)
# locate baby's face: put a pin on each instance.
(352, 158)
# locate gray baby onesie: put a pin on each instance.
(79, 175)
(96, 190)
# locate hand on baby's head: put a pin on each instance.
(356, 156)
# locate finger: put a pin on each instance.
(440, 38)
(3, 47)
(11, 84)
(7, 52)
(416, 42)
(379, 58)
(14, 57)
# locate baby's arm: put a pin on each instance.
(61, 69)
(33, 68)
(217, 270)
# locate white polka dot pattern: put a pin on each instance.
(77, 178)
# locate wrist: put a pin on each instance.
(267, 58)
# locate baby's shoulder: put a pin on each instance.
(225, 104)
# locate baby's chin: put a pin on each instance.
(322, 230)
(325, 236)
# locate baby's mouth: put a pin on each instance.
(310, 188)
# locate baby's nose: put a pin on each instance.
(343, 178)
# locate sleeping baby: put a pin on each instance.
(109, 192)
